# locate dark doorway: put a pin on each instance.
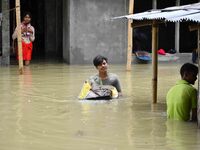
(47, 21)
(36, 7)
(142, 35)
(167, 30)
(188, 40)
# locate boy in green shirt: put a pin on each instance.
(182, 98)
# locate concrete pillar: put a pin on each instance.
(5, 33)
(90, 31)
(177, 32)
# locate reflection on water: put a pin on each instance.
(40, 111)
(182, 136)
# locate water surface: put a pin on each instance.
(40, 111)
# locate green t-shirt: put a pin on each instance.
(181, 98)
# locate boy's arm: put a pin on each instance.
(14, 35)
(118, 87)
(32, 37)
(194, 105)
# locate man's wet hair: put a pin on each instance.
(98, 60)
(188, 68)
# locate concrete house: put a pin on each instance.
(74, 31)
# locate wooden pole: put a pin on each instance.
(19, 37)
(130, 37)
(154, 60)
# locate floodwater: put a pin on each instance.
(40, 111)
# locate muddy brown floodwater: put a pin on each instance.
(40, 111)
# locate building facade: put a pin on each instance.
(74, 31)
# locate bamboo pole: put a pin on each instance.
(130, 37)
(154, 60)
(19, 38)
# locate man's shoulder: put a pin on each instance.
(183, 83)
(187, 86)
(184, 88)
(94, 77)
(112, 75)
(30, 26)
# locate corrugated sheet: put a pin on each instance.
(171, 14)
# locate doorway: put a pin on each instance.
(47, 21)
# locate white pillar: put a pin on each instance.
(154, 4)
(177, 32)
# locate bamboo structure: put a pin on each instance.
(154, 49)
(130, 37)
(154, 60)
(155, 27)
(19, 38)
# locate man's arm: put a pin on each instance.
(194, 114)
(118, 86)
(194, 105)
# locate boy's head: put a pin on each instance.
(98, 60)
(189, 72)
(26, 17)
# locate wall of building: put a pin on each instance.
(88, 31)
(77, 30)
(5, 58)
(66, 36)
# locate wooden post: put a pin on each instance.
(198, 109)
(19, 37)
(130, 37)
(154, 60)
